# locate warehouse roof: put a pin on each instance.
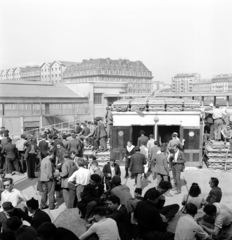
(40, 90)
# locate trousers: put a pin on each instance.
(48, 191)
(103, 143)
(218, 123)
(176, 176)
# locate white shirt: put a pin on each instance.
(112, 171)
(187, 229)
(81, 176)
(176, 156)
(223, 215)
(20, 144)
(106, 229)
(218, 113)
(150, 144)
(15, 197)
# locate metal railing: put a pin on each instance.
(62, 127)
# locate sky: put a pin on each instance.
(168, 36)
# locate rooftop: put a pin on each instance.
(108, 63)
(15, 89)
(183, 75)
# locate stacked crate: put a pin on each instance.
(121, 105)
(139, 104)
(156, 104)
(191, 105)
(219, 155)
(174, 104)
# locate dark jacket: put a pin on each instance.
(215, 195)
(142, 141)
(17, 212)
(128, 157)
(148, 217)
(39, 218)
(74, 145)
(101, 131)
(66, 172)
(26, 233)
(161, 166)
(78, 129)
(122, 218)
(10, 150)
(107, 170)
(43, 147)
(137, 163)
(85, 131)
(92, 193)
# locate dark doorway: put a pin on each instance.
(164, 134)
(136, 130)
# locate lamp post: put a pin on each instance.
(156, 120)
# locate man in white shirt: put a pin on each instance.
(104, 228)
(10, 194)
(150, 143)
(80, 177)
(20, 145)
(218, 116)
(187, 228)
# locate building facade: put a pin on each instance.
(203, 86)
(222, 83)
(135, 74)
(183, 83)
(30, 73)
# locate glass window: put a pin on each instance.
(97, 98)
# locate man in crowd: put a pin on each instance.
(121, 191)
(78, 128)
(187, 228)
(43, 146)
(137, 163)
(89, 137)
(92, 196)
(21, 231)
(110, 170)
(74, 144)
(47, 182)
(177, 165)
(9, 211)
(175, 141)
(149, 219)
(66, 172)
(218, 116)
(218, 219)
(101, 134)
(142, 139)
(94, 169)
(150, 143)
(11, 194)
(215, 194)
(152, 157)
(227, 135)
(104, 228)
(80, 178)
(38, 217)
(119, 213)
(20, 145)
(85, 130)
(10, 152)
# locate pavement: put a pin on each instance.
(190, 175)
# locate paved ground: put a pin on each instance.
(201, 176)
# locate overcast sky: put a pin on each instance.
(169, 37)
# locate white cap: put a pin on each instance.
(211, 104)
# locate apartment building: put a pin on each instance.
(222, 83)
(135, 74)
(204, 85)
(183, 83)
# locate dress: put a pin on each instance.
(32, 152)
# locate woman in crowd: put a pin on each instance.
(129, 152)
(194, 196)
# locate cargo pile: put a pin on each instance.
(219, 155)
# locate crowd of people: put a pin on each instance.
(110, 210)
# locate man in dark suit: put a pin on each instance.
(119, 213)
(74, 144)
(110, 170)
(142, 140)
(137, 163)
(177, 165)
(38, 216)
(101, 134)
(43, 147)
(78, 128)
(10, 152)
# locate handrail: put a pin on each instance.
(56, 125)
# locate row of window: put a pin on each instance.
(71, 73)
(52, 69)
(52, 75)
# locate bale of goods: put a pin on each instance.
(174, 104)
(156, 104)
(139, 104)
(121, 105)
(191, 105)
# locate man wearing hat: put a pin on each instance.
(10, 211)
(38, 216)
(142, 140)
(92, 196)
(110, 170)
(175, 141)
(137, 163)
